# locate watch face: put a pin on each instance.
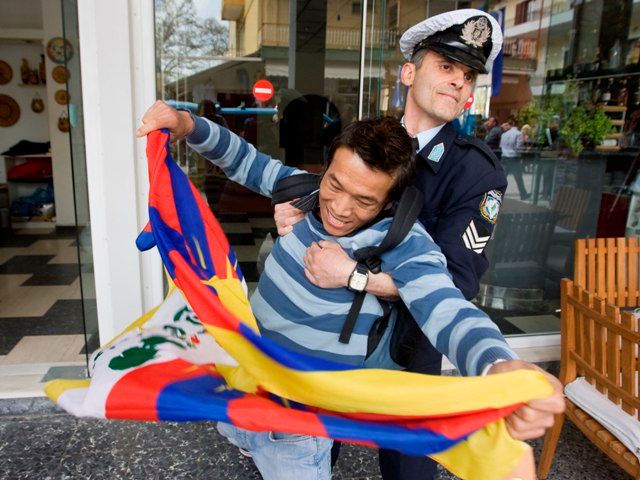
(358, 281)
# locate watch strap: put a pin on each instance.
(352, 316)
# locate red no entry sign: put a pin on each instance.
(263, 90)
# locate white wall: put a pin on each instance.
(30, 126)
(118, 84)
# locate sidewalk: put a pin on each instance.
(39, 442)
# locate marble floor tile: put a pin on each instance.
(46, 348)
(72, 292)
(8, 283)
(24, 264)
(30, 301)
(54, 274)
(66, 255)
(50, 245)
(7, 253)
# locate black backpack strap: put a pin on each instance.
(295, 186)
(405, 213)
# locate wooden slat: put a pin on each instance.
(632, 274)
(621, 272)
(579, 265)
(582, 298)
(609, 291)
(592, 284)
(613, 352)
(567, 332)
(628, 366)
(599, 344)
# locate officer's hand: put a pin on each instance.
(160, 115)
(327, 265)
(286, 216)
(533, 419)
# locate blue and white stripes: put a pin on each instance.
(296, 313)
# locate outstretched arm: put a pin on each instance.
(239, 160)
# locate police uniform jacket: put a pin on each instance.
(463, 184)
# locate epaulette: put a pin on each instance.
(464, 140)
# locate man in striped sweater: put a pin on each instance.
(369, 164)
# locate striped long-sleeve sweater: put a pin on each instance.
(303, 317)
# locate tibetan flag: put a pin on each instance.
(199, 356)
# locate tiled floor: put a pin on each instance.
(50, 445)
(41, 310)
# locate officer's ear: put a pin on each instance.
(408, 74)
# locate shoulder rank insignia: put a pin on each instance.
(490, 205)
(436, 152)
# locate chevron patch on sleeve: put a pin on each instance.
(476, 236)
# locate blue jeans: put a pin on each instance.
(282, 456)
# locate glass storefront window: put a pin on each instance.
(209, 57)
(557, 55)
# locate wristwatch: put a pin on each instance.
(358, 278)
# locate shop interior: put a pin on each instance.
(47, 300)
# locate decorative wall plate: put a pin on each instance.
(61, 97)
(60, 74)
(9, 111)
(6, 73)
(59, 50)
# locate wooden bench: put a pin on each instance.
(599, 341)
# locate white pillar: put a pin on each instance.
(118, 84)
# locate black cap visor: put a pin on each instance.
(456, 51)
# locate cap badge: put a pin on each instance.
(476, 32)
(436, 153)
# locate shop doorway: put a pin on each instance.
(48, 321)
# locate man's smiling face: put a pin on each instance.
(351, 193)
(439, 86)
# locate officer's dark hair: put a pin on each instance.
(383, 145)
(418, 57)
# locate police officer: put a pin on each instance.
(462, 181)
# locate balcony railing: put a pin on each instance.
(277, 35)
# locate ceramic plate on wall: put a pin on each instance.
(6, 73)
(9, 111)
(60, 74)
(59, 50)
(61, 97)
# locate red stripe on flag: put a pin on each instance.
(134, 396)
(259, 414)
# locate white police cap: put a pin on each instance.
(468, 36)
